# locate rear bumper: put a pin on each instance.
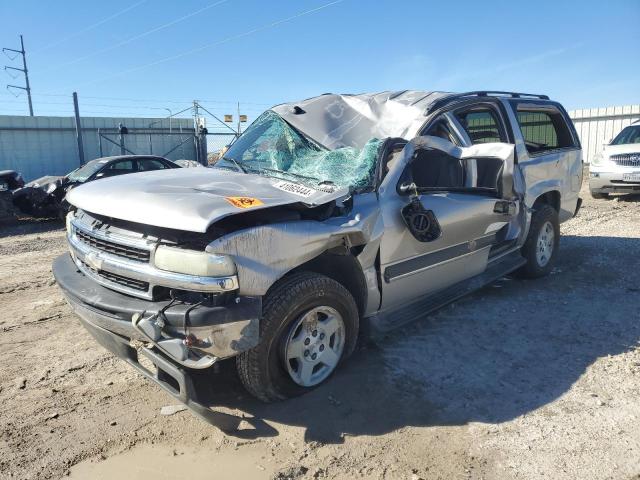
(197, 335)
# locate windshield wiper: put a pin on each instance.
(236, 163)
(275, 170)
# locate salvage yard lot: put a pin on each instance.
(524, 380)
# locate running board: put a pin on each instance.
(390, 319)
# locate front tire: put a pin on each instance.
(309, 325)
(541, 247)
(598, 195)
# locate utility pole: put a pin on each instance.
(76, 112)
(239, 119)
(196, 128)
(23, 70)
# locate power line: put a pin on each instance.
(135, 37)
(26, 88)
(219, 42)
(91, 27)
(148, 100)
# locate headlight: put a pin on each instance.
(597, 159)
(192, 262)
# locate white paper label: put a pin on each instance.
(295, 188)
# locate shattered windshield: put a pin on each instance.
(84, 172)
(271, 147)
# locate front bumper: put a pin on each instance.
(106, 315)
(173, 379)
(612, 181)
(192, 335)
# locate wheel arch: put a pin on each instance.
(550, 197)
(344, 269)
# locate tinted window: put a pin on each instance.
(150, 164)
(543, 130)
(628, 135)
(122, 165)
(481, 125)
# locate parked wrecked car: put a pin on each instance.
(327, 217)
(45, 197)
(10, 180)
(617, 168)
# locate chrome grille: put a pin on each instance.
(119, 279)
(125, 251)
(627, 159)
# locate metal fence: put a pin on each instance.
(597, 126)
(38, 146)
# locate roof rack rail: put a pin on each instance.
(481, 93)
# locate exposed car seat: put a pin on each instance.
(390, 152)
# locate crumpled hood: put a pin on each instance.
(44, 181)
(191, 199)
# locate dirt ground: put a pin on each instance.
(522, 380)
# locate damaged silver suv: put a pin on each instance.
(327, 217)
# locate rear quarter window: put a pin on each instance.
(544, 129)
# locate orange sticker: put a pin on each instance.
(244, 202)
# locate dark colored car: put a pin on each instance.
(44, 197)
(10, 180)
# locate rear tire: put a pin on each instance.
(599, 195)
(296, 313)
(541, 248)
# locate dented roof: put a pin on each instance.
(345, 120)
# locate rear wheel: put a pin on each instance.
(542, 243)
(309, 325)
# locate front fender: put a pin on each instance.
(265, 253)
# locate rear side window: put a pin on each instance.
(543, 130)
(150, 164)
(481, 125)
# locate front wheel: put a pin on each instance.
(541, 248)
(309, 325)
(598, 195)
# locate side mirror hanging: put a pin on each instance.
(407, 188)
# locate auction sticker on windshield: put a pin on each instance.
(244, 202)
(295, 188)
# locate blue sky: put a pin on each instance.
(138, 57)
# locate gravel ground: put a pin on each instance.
(522, 380)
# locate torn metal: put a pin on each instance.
(265, 253)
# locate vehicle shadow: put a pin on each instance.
(626, 197)
(26, 225)
(507, 350)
